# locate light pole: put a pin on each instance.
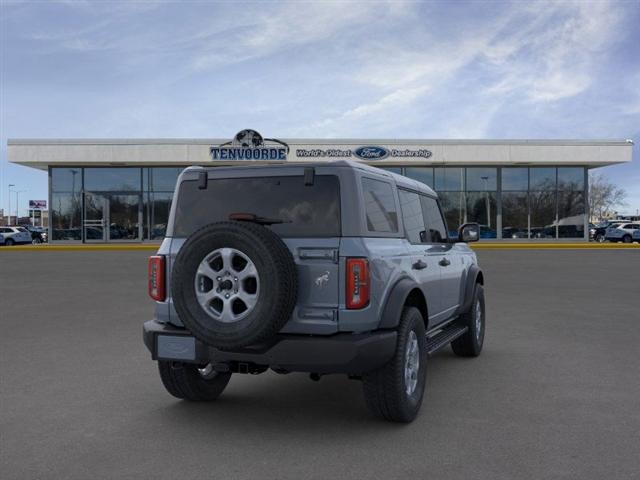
(9, 212)
(18, 192)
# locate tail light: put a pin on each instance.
(357, 283)
(157, 289)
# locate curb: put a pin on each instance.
(478, 246)
(49, 248)
(555, 246)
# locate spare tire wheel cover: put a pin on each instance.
(234, 284)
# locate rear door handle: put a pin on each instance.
(419, 265)
(444, 262)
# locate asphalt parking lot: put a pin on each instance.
(555, 394)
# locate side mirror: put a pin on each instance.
(469, 232)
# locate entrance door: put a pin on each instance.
(95, 217)
(112, 217)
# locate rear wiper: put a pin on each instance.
(252, 217)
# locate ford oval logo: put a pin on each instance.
(371, 153)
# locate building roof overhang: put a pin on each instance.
(43, 153)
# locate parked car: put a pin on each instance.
(623, 232)
(15, 235)
(599, 231)
(321, 268)
(38, 234)
(514, 232)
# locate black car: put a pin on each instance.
(38, 234)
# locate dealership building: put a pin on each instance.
(120, 190)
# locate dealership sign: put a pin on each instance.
(38, 204)
(366, 152)
(250, 145)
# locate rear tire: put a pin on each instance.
(387, 391)
(470, 344)
(9, 242)
(185, 381)
(626, 239)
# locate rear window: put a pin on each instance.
(306, 210)
(21, 229)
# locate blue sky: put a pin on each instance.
(322, 69)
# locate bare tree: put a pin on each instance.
(604, 196)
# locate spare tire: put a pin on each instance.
(234, 284)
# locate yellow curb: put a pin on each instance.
(79, 247)
(477, 246)
(552, 246)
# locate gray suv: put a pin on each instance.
(321, 268)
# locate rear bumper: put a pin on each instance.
(341, 353)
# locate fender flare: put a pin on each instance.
(395, 301)
(474, 275)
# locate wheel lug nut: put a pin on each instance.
(218, 278)
(226, 296)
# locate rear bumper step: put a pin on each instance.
(444, 338)
(340, 353)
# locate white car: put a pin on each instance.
(15, 235)
(623, 232)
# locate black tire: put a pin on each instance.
(9, 242)
(385, 389)
(599, 238)
(626, 239)
(278, 285)
(36, 241)
(183, 380)
(470, 344)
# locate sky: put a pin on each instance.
(374, 69)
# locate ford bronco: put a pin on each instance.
(333, 267)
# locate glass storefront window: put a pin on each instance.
(421, 174)
(515, 215)
(515, 179)
(112, 179)
(66, 216)
(163, 179)
(453, 208)
(482, 208)
(449, 179)
(571, 211)
(571, 178)
(543, 214)
(159, 208)
(482, 179)
(542, 178)
(66, 179)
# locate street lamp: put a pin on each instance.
(18, 192)
(9, 212)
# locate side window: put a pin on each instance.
(380, 206)
(436, 229)
(412, 216)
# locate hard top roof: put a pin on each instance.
(400, 180)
